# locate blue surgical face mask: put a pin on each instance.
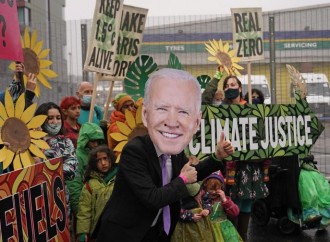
(87, 99)
(53, 129)
(232, 93)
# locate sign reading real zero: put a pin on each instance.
(104, 36)
(248, 33)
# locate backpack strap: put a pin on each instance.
(88, 187)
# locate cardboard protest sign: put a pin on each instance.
(33, 206)
(248, 33)
(10, 44)
(104, 36)
(132, 25)
(258, 131)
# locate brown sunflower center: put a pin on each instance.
(15, 132)
(31, 61)
(224, 58)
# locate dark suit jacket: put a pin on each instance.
(138, 193)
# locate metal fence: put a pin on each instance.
(302, 39)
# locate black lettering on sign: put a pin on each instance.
(58, 189)
(7, 228)
(109, 8)
(246, 22)
(249, 47)
(132, 22)
(101, 58)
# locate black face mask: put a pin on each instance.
(232, 93)
(256, 101)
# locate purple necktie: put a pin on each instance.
(166, 209)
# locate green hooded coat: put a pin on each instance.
(88, 132)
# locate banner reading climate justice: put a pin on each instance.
(33, 206)
(258, 131)
(248, 33)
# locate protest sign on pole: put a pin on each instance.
(10, 44)
(104, 36)
(248, 33)
(33, 205)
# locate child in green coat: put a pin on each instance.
(99, 182)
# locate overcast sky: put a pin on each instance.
(84, 9)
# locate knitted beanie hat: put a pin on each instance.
(216, 175)
(120, 99)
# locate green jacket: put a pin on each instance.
(211, 88)
(94, 196)
(88, 132)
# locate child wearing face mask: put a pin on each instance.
(99, 181)
(60, 146)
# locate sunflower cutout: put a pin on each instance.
(35, 60)
(18, 133)
(132, 128)
(221, 54)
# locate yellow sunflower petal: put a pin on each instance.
(40, 143)
(118, 158)
(211, 51)
(212, 58)
(22, 42)
(38, 47)
(36, 151)
(19, 106)
(49, 73)
(1, 123)
(3, 154)
(226, 47)
(45, 63)
(12, 66)
(214, 46)
(3, 112)
(44, 81)
(226, 69)
(17, 162)
(36, 121)
(235, 59)
(8, 160)
(123, 128)
(34, 134)
(237, 66)
(43, 54)
(139, 115)
(37, 91)
(26, 159)
(34, 38)
(221, 48)
(9, 104)
(130, 119)
(27, 42)
(118, 137)
(120, 146)
(28, 113)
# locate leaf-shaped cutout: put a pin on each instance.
(34, 38)
(3, 154)
(49, 73)
(203, 80)
(44, 81)
(174, 63)
(137, 75)
(26, 159)
(8, 160)
(27, 38)
(36, 121)
(44, 53)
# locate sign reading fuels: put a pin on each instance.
(247, 33)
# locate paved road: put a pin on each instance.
(270, 233)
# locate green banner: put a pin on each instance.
(258, 131)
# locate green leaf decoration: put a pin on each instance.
(138, 74)
(203, 80)
(173, 62)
